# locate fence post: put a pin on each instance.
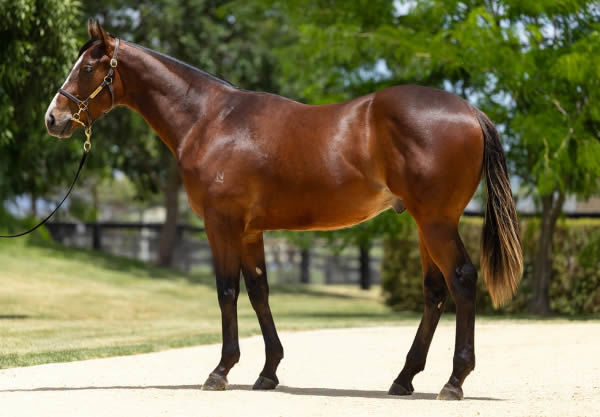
(305, 266)
(96, 236)
(365, 267)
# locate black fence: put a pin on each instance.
(286, 263)
(568, 215)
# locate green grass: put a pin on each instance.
(62, 304)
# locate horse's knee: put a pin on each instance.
(227, 293)
(258, 291)
(435, 292)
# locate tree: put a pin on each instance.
(38, 47)
(531, 65)
(556, 122)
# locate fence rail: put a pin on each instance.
(568, 215)
(286, 263)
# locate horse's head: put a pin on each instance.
(81, 97)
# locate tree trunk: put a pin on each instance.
(95, 202)
(542, 268)
(365, 267)
(305, 266)
(168, 233)
(33, 205)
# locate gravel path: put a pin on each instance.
(523, 369)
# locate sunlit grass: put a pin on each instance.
(63, 304)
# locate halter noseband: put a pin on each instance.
(83, 104)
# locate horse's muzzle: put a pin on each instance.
(59, 125)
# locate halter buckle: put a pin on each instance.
(113, 62)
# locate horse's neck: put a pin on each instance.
(172, 98)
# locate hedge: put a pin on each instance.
(575, 287)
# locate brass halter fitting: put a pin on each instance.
(87, 145)
(77, 116)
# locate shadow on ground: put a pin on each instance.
(315, 392)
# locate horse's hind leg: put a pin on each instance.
(435, 294)
(448, 252)
(255, 277)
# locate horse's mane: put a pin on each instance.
(180, 63)
(187, 66)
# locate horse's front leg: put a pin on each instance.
(225, 243)
(255, 276)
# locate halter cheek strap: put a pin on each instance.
(83, 104)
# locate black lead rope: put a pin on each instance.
(83, 158)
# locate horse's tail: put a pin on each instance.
(501, 255)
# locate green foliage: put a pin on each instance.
(38, 47)
(575, 288)
(11, 225)
(401, 265)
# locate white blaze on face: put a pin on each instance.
(62, 116)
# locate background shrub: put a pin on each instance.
(575, 287)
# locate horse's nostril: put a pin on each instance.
(51, 120)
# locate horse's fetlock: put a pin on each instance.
(231, 354)
(464, 360)
(416, 361)
(275, 353)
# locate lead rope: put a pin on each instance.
(86, 148)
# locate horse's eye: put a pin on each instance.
(88, 68)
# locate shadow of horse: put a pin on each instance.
(318, 392)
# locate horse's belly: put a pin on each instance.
(320, 211)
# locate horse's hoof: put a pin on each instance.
(215, 382)
(264, 383)
(397, 389)
(450, 393)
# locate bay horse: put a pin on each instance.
(254, 161)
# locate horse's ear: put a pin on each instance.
(94, 28)
(96, 31)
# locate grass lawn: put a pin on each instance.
(62, 304)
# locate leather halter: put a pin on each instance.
(83, 104)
